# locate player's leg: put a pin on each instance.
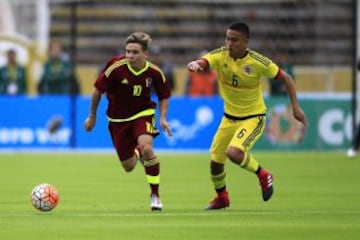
(354, 150)
(151, 162)
(217, 164)
(146, 131)
(129, 163)
(124, 144)
(247, 133)
(138, 155)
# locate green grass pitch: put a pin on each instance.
(317, 196)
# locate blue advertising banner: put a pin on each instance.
(193, 121)
(49, 122)
(99, 137)
(25, 122)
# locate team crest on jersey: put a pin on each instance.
(248, 69)
(148, 82)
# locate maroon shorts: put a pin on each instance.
(124, 135)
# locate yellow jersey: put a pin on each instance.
(240, 80)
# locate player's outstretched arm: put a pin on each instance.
(91, 119)
(290, 87)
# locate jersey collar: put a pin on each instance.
(137, 73)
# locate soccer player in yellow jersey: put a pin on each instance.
(239, 74)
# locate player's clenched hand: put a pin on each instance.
(89, 123)
(166, 127)
(194, 66)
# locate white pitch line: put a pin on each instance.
(177, 214)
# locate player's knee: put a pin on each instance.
(235, 155)
(147, 151)
(128, 165)
(129, 168)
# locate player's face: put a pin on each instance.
(55, 50)
(236, 43)
(136, 55)
(11, 57)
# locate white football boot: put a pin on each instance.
(155, 203)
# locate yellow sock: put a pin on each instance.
(249, 163)
(153, 179)
(152, 170)
(219, 180)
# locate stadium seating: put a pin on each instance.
(313, 34)
(184, 28)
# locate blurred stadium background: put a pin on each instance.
(318, 36)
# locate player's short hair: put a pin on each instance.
(241, 27)
(139, 37)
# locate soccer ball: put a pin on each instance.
(44, 197)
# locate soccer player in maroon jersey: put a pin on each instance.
(127, 81)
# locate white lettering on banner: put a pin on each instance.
(203, 117)
(28, 136)
(348, 127)
(62, 136)
(16, 135)
(334, 127)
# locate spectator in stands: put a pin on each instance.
(278, 88)
(202, 83)
(12, 76)
(59, 74)
(165, 65)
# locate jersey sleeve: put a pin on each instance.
(102, 83)
(212, 58)
(161, 85)
(271, 70)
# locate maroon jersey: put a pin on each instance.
(129, 91)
